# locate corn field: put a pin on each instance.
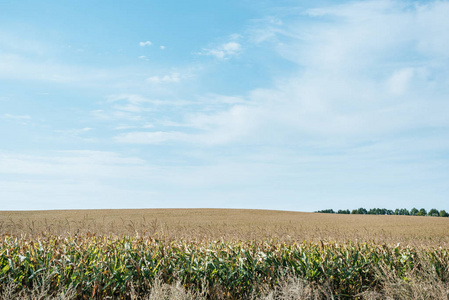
(102, 267)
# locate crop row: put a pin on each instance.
(98, 267)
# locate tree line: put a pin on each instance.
(383, 211)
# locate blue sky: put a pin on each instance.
(294, 105)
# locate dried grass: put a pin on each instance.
(419, 286)
(293, 288)
(421, 283)
(229, 225)
(39, 292)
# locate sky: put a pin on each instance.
(288, 105)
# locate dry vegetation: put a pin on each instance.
(231, 225)
(221, 254)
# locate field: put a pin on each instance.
(221, 254)
(226, 224)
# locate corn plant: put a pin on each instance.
(98, 267)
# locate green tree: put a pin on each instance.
(422, 212)
(433, 212)
(443, 213)
(414, 211)
(404, 212)
(326, 211)
(362, 211)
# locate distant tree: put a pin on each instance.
(326, 211)
(443, 213)
(383, 211)
(404, 212)
(422, 212)
(362, 211)
(433, 212)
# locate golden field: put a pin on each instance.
(230, 224)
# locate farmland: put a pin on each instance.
(227, 254)
(227, 224)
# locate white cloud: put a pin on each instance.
(19, 119)
(16, 117)
(140, 100)
(131, 107)
(173, 77)
(399, 81)
(358, 79)
(219, 128)
(223, 51)
(75, 132)
(345, 57)
(143, 44)
(12, 42)
(113, 115)
(265, 30)
(129, 103)
(220, 100)
(131, 98)
(301, 178)
(17, 67)
(155, 137)
(143, 57)
(86, 163)
(70, 179)
(125, 127)
(162, 47)
(123, 107)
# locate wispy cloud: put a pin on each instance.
(12, 43)
(153, 137)
(74, 132)
(19, 119)
(347, 86)
(113, 115)
(131, 98)
(173, 77)
(224, 51)
(16, 117)
(400, 80)
(131, 107)
(23, 59)
(122, 107)
(17, 67)
(144, 44)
